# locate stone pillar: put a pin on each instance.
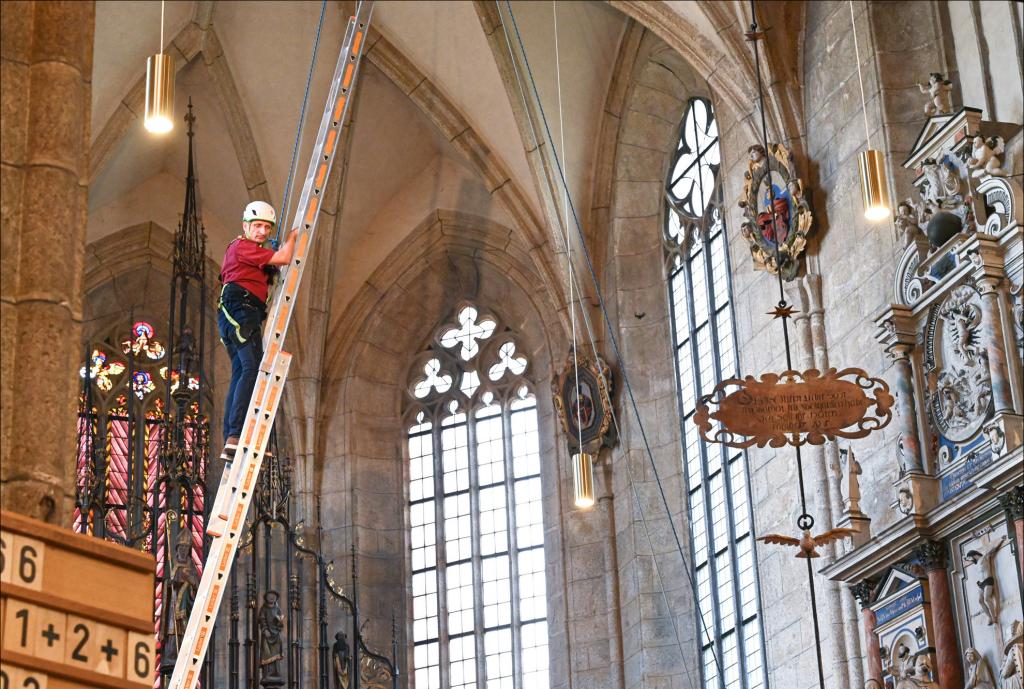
(873, 658)
(46, 61)
(1013, 502)
(896, 332)
(932, 555)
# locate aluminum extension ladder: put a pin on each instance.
(239, 477)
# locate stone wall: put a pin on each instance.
(655, 599)
(985, 39)
(612, 623)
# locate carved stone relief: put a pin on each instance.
(961, 187)
(986, 593)
(1011, 671)
(977, 671)
(960, 392)
(1017, 306)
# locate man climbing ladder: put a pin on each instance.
(240, 472)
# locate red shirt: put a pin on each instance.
(243, 265)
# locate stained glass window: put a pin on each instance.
(120, 435)
(476, 534)
(729, 625)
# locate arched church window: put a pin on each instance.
(476, 532)
(729, 624)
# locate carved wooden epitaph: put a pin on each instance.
(794, 408)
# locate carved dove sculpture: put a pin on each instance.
(808, 543)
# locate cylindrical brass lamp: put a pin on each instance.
(583, 479)
(873, 186)
(159, 93)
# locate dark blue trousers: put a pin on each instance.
(243, 340)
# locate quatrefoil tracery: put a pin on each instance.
(469, 333)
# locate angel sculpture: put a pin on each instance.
(984, 157)
(807, 543)
(940, 94)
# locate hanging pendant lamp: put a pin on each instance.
(874, 188)
(583, 479)
(159, 117)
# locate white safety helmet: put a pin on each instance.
(259, 210)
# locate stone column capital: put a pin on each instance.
(894, 328)
(987, 284)
(932, 555)
(1013, 502)
(986, 255)
(862, 592)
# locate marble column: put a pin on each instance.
(994, 342)
(910, 448)
(897, 332)
(46, 61)
(1013, 502)
(862, 592)
(932, 556)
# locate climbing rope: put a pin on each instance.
(298, 128)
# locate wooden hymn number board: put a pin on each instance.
(75, 611)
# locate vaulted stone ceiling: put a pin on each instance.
(244, 65)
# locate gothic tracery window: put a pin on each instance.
(729, 625)
(476, 533)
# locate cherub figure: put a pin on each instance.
(908, 223)
(795, 187)
(984, 160)
(940, 93)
